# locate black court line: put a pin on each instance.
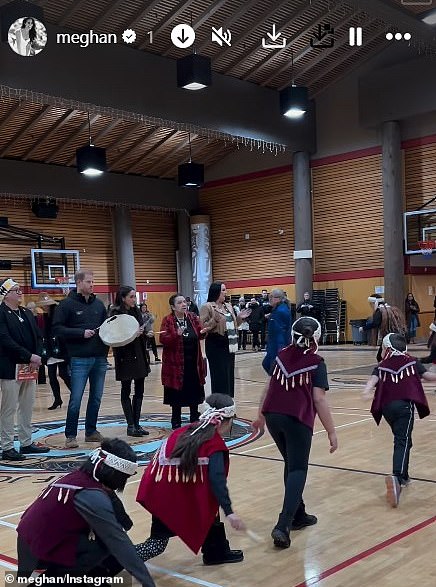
(363, 471)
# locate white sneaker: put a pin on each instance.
(71, 442)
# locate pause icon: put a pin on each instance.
(355, 36)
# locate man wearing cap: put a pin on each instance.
(19, 344)
(76, 320)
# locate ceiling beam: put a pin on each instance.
(153, 148)
(179, 147)
(70, 139)
(104, 14)
(27, 127)
(70, 11)
(131, 147)
(59, 123)
(14, 110)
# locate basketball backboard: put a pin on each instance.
(419, 225)
(52, 266)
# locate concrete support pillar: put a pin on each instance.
(302, 224)
(393, 214)
(184, 256)
(201, 257)
(122, 226)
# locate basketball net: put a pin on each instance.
(427, 247)
(64, 283)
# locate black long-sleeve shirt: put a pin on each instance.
(218, 481)
(96, 508)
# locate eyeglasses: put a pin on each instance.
(16, 290)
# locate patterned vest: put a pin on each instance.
(290, 388)
(187, 508)
(398, 380)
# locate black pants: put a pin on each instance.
(399, 414)
(256, 340)
(293, 439)
(126, 386)
(151, 343)
(64, 374)
(221, 364)
(242, 339)
(263, 332)
(176, 414)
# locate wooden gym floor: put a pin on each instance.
(359, 540)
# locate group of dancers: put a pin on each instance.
(78, 525)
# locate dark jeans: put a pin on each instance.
(64, 374)
(82, 369)
(399, 414)
(221, 364)
(263, 332)
(293, 439)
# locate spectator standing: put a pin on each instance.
(20, 344)
(255, 321)
(243, 326)
(76, 319)
(411, 311)
(132, 363)
(148, 320)
(279, 328)
(266, 306)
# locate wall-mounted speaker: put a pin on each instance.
(45, 208)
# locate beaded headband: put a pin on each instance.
(388, 345)
(99, 455)
(299, 338)
(214, 416)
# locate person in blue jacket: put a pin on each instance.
(279, 327)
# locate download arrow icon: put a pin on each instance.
(182, 36)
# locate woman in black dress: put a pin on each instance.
(183, 370)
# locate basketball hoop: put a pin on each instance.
(427, 247)
(64, 283)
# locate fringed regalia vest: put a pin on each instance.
(398, 380)
(290, 388)
(186, 506)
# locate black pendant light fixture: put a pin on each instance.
(190, 175)
(294, 100)
(194, 72)
(91, 160)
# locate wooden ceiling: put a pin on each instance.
(50, 134)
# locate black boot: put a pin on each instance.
(137, 405)
(128, 413)
(176, 417)
(302, 519)
(216, 549)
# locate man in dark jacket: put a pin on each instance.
(20, 345)
(76, 320)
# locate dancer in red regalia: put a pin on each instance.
(185, 484)
(398, 389)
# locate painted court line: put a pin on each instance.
(365, 554)
(11, 563)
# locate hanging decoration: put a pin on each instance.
(125, 115)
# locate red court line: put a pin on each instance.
(8, 559)
(366, 553)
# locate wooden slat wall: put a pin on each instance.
(420, 172)
(348, 215)
(155, 245)
(89, 229)
(86, 228)
(259, 207)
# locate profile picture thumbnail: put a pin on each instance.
(27, 36)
